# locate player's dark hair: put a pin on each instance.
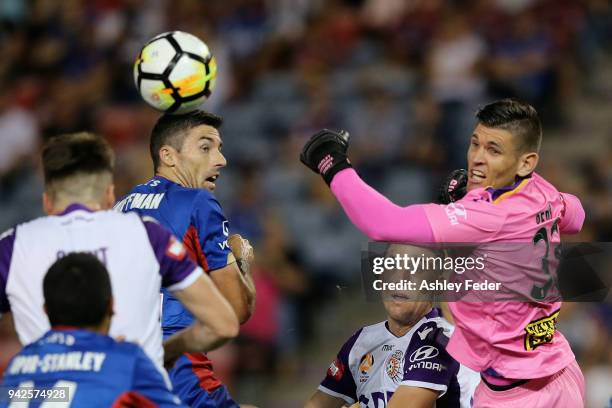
(76, 153)
(518, 118)
(171, 130)
(77, 291)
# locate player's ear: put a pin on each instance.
(109, 196)
(111, 306)
(527, 163)
(167, 156)
(106, 322)
(47, 203)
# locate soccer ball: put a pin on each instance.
(175, 72)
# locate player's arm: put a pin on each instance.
(215, 321)
(413, 397)
(468, 220)
(237, 288)
(371, 212)
(215, 324)
(322, 400)
(7, 240)
(235, 280)
(573, 214)
(227, 265)
(338, 388)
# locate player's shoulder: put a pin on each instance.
(375, 329)
(28, 229)
(128, 349)
(537, 179)
(109, 217)
(188, 197)
(123, 351)
(434, 329)
(431, 332)
(530, 190)
(349, 344)
(544, 187)
(206, 197)
(370, 336)
(8, 234)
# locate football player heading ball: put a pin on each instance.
(187, 161)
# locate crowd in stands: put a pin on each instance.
(404, 77)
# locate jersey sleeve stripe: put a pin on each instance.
(430, 386)
(346, 398)
(188, 281)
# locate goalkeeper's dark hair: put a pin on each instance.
(77, 291)
(74, 154)
(518, 118)
(171, 130)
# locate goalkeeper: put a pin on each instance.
(504, 198)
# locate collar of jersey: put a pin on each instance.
(74, 207)
(497, 193)
(61, 327)
(433, 313)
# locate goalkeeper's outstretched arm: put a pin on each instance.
(375, 215)
(371, 212)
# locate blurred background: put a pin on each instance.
(404, 77)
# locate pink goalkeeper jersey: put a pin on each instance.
(514, 340)
(511, 339)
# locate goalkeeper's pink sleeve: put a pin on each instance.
(573, 214)
(375, 215)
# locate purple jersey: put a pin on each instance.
(374, 362)
(141, 257)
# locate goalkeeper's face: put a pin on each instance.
(199, 161)
(495, 159)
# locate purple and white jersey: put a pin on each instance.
(140, 255)
(374, 362)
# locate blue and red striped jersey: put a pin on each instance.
(193, 215)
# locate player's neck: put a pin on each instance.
(103, 330)
(398, 329)
(60, 208)
(170, 174)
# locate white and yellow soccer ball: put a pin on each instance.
(175, 72)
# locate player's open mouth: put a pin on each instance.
(477, 176)
(210, 181)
